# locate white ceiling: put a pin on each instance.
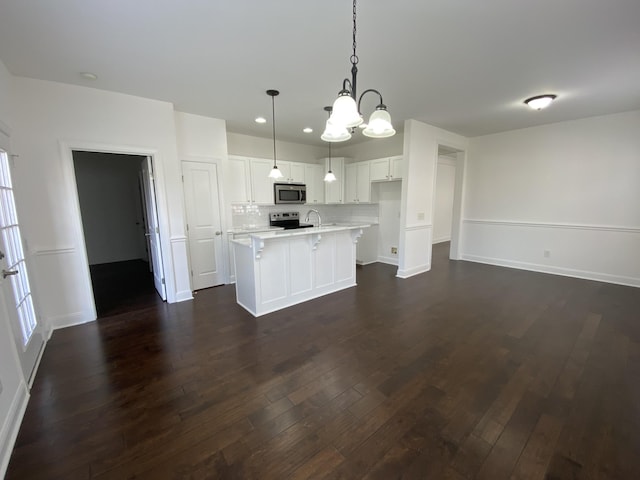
(462, 65)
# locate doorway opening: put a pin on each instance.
(447, 204)
(117, 202)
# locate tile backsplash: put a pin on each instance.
(252, 216)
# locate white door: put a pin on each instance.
(153, 230)
(14, 279)
(203, 224)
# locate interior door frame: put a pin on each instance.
(67, 149)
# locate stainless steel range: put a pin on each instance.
(287, 220)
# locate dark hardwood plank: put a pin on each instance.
(468, 371)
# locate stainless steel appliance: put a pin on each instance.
(290, 193)
(287, 220)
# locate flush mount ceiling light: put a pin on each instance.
(330, 176)
(88, 76)
(346, 113)
(540, 101)
(275, 172)
(307, 130)
(261, 120)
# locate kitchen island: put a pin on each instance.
(277, 269)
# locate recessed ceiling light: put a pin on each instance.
(261, 120)
(88, 76)
(307, 129)
(541, 101)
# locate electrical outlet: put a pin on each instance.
(547, 253)
(421, 216)
(394, 250)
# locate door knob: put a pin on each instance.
(7, 273)
(218, 233)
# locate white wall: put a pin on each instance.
(248, 146)
(420, 151)
(571, 189)
(110, 204)
(49, 120)
(443, 207)
(389, 196)
(369, 149)
(13, 389)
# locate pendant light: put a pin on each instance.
(330, 177)
(275, 172)
(346, 112)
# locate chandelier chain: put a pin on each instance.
(354, 57)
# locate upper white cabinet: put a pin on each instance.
(314, 178)
(237, 183)
(384, 169)
(261, 184)
(334, 191)
(357, 183)
(292, 172)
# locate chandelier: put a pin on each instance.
(346, 113)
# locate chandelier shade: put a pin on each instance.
(379, 125)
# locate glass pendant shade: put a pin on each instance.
(335, 133)
(345, 112)
(275, 173)
(540, 102)
(379, 125)
(329, 177)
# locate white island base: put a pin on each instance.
(275, 270)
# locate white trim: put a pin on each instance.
(363, 263)
(11, 426)
(567, 272)
(388, 260)
(178, 239)
(573, 226)
(418, 226)
(53, 251)
(184, 295)
(413, 271)
(68, 320)
(441, 240)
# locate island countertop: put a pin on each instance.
(331, 227)
(277, 269)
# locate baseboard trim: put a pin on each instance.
(361, 262)
(410, 272)
(441, 240)
(11, 426)
(565, 272)
(184, 295)
(70, 320)
(388, 260)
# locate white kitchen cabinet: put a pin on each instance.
(237, 183)
(292, 172)
(357, 183)
(384, 169)
(261, 184)
(334, 191)
(314, 179)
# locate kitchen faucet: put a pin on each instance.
(313, 210)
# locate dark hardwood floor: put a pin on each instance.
(120, 287)
(468, 371)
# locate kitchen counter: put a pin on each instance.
(277, 269)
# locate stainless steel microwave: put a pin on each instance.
(290, 193)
